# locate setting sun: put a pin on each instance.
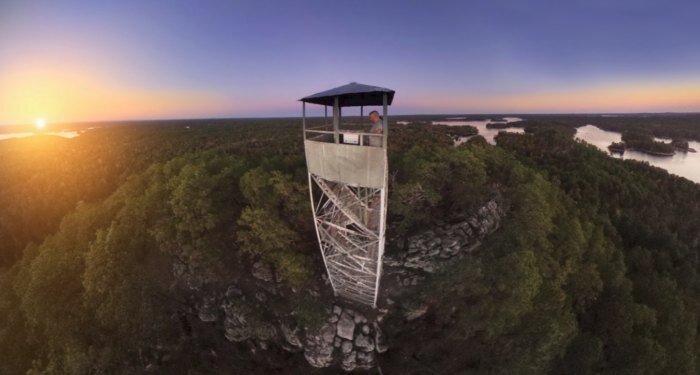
(40, 123)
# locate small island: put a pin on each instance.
(642, 142)
(617, 148)
(498, 125)
(682, 145)
(504, 124)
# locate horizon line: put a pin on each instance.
(396, 115)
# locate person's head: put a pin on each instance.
(374, 116)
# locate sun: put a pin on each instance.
(40, 123)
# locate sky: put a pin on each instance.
(70, 61)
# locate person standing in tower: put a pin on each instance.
(377, 128)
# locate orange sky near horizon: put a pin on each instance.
(64, 94)
(73, 95)
(601, 98)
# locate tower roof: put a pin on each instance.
(351, 95)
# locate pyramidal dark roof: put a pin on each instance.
(351, 95)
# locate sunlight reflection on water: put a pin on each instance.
(64, 134)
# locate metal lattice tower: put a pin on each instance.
(348, 189)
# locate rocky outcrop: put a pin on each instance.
(241, 322)
(347, 337)
(431, 250)
(319, 347)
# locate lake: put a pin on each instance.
(682, 164)
(480, 125)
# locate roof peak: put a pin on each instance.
(352, 94)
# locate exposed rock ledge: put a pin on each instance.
(348, 337)
(433, 249)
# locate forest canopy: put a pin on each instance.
(111, 242)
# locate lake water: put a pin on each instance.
(480, 125)
(64, 134)
(682, 164)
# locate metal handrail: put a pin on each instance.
(362, 135)
(317, 127)
(343, 131)
(320, 131)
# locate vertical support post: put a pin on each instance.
(325, 122)
(385, 126)
(382, 201)
(303, 117)
(336, 121)
(382, 234)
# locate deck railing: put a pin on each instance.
(346, 137)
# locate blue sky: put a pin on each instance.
(256, 58)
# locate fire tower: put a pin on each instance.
(348, 191)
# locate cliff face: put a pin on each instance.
(348, 336)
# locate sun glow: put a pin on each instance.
(62, 93)
(40, 123)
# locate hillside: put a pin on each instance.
(188, 247)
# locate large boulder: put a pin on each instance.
(346, 326)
